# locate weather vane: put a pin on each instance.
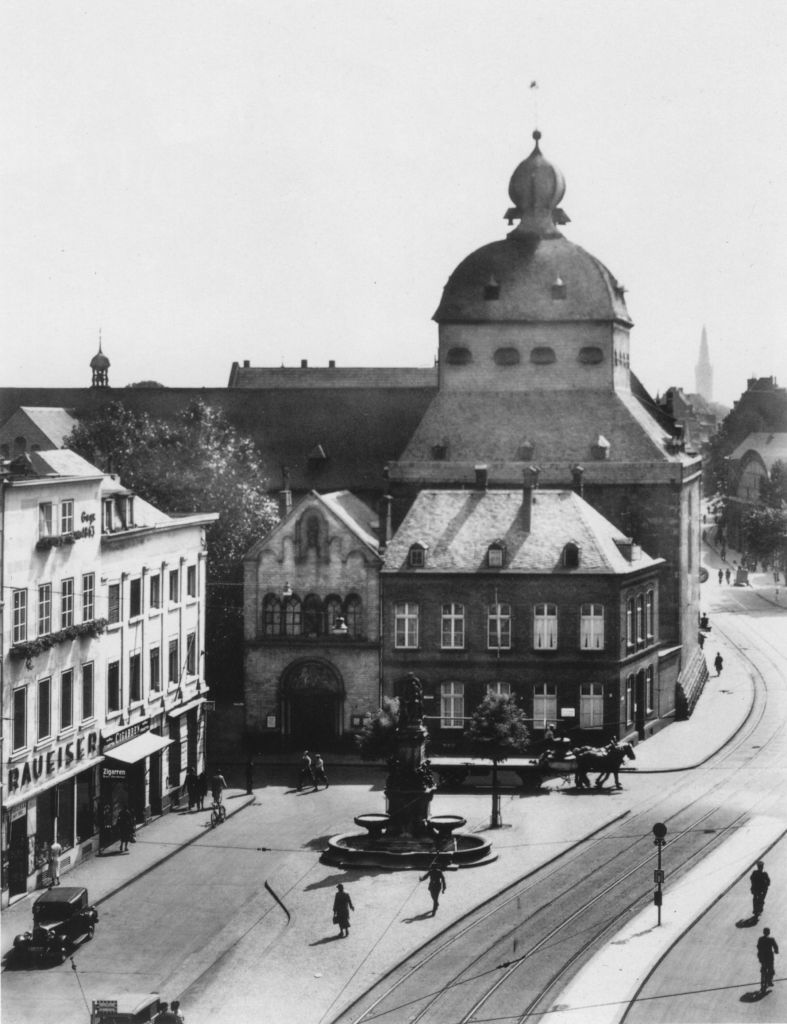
(534, 91)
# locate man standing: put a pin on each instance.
(436, 884)
(766, 947)
(306, 771)
(718, 663)
(760, 881)
(318, 770)
(54, 862)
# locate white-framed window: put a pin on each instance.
(591, 627)
(650, 631)
(107, 515)
(66, 603)
(44, 609)
(544, 704)
(498, 627)
(114, 687)
(155, 668)
(155, 590)
(498, 689)
(630, 622)
(88, 710)
(191, 654)
(45, 519)
(452, 626)
(650, 696)
(191, 581)
(67, 516)
(629, 700)
(173, 663)
(545, 627)
(417, 556)
(174, 586)
(405, 624)
(44, 708)
(495, 555)
(88, 596)
(113, 602)
(641, 620)
(20, 616)
(591, 705)
(19, 740)
(452, 706)
(66, 699)
(135, 597)
(135, 677)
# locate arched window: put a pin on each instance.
(333, 611)
(20, 445)
(571, 556)
(312, 615)
(353, 616)
(271, 615)
(292, 616)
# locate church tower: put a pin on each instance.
(703, 372)
(99, 364)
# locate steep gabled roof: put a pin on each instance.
(770, 447)
(343, 507)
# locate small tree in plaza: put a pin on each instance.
(497, 730)
(377, 740)
(764, 534)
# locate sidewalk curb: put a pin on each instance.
(168, 856)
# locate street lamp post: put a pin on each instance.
(659, 832)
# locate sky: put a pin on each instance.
(208, 182)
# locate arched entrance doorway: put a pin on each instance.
(312, 703)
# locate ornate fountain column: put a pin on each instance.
(410, 787)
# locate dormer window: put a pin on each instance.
(416, 557)
(600, 448)
(492, 289)
(440, 451)
(496, 555)
(526, 450)
(571, 556)
(559, 289)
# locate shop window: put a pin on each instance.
(155, 668)
(45, 519)
(292, 616)
(114, 695)
(20, 616)
(44, 609)
(88, 709)
(545, 627)
(174, 586)
(452, 706)
(64, 808)
(85, 806)
(191, 581)
(135, 598)
(544, 704)
(113, 602)
(353, 616)
(44, 708)
(67, 516)
(406, 624)
(173, 663)
(66, 699)
(135, 677)
(591, 705)
(88, 596)
(452, 627)
(66, 603)
(591, 627)
(19, 740)
(498, 627)
(271, 615)
(191, 654)
(155, 590)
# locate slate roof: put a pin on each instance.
(61, 462)
(457, 528)
(332, 377)
(54, 421)
(770, 447)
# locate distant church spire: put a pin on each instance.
(99, 364)
(703, 373)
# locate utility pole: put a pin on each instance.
(659, 832)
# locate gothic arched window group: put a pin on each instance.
(311, 616)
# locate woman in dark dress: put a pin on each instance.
(342, 905)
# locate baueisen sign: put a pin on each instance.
(41, 766)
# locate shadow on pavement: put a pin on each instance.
(346, 878)
(747, 922)
(328, 938)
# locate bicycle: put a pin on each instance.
(218, 812)
(766, 977)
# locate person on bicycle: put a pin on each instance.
(766, 947)
(760, 882)
(217, 786)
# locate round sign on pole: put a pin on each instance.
(659, 830)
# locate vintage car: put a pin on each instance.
(129, 1008)
(61, 917)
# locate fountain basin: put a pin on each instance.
(375, 824)
(445, 824)
(401, 853)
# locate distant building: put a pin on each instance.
(703, 372)
(35, 429)
(749, 468)
(102, 650)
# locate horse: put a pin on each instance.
(606, 761)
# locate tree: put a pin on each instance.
(497, 730)
(764, 533)
(774, 489)
(377, 739)
(194, 462)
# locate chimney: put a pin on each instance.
(529, 484)
(331, 364)
(578, 473)
(304, 363)
(285, 494)
(385, 520)
(481, 477)
(246, 364)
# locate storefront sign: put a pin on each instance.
(109, 742)
(113, 773)
(19, 811)
(43, 765)
(568, 713)
(88, 528)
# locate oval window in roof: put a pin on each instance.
(542, 354)
(458, 356)
(508, 356)
(591, 354)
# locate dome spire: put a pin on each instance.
(99, 364)
(536, 188)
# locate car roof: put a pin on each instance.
(66, 894)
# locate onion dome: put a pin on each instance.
(536, 188)
(99, 360)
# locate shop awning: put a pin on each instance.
(181, 709)
(134, 750)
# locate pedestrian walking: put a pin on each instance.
(318, 771)
(760, 882)
(125, 829)
(202, 790)
(718, 663)
(721, 576)
(55, 851)
(306, 773)
(176, 1010)
(727, 575)
(165, 1015)
(766, 947)
(342, 905)
(192, 787)
(436, 884)
(249, 776)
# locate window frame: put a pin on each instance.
(406, 623)
(452, 626)
(19, 621)
(114, 603)
(272, 619)
(19, 711)
(44, 609)
(543, 639)
(416, 556)
(174, 586)
(650, 690)
(650, 617)
(154, 591)
(114, 688)
(545, 699)
(191, 654)
(353, 616)
(67, 602)
(135, 597)
(498, 688)
(87, 686)
(154, 665)
(292, 616)
(88, 596)
(591, 705)
(44, 709)
(499, 619)
(173, 662)
(628, 700)
(451, 700)
(45, 519)
(66, 699)
(135, 694)
(67, 516)
(630, 622)
(191, 581)
(591, 626)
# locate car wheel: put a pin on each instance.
(91, 931)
